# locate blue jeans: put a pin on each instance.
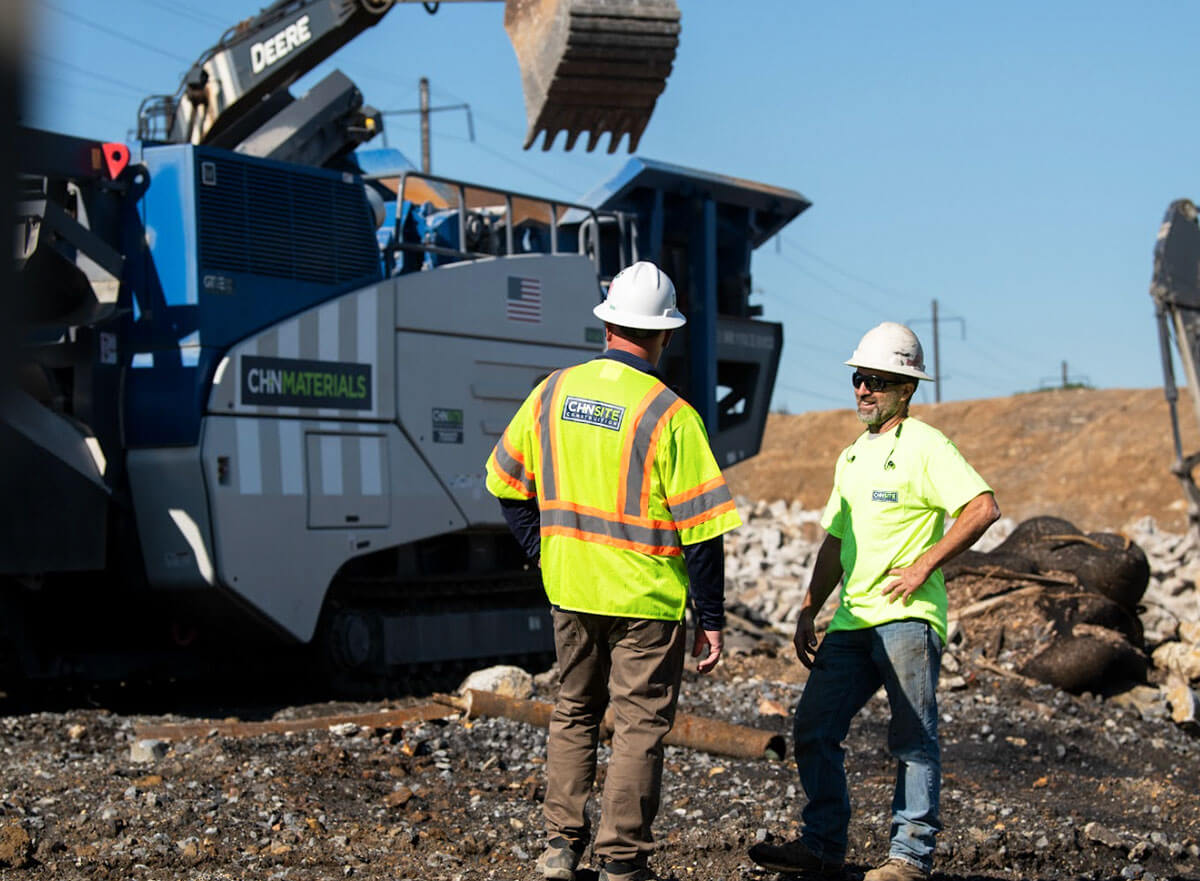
(904, 657)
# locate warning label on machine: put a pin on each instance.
(289, 382)
(447, 426)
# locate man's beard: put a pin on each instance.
(878, 415)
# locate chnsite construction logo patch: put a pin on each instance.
(592, 412)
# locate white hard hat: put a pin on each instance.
(641, 296)
(892, 348)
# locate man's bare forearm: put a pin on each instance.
(827, 572)
(976, 516)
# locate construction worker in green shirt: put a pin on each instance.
(606, 478)
(893, 488)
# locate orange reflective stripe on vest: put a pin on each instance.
(701, 503)
(588, 524)
(637, 459)
(547, 433)
(510, 467)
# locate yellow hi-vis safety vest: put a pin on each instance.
(624, 477)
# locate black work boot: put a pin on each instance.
(794, 857)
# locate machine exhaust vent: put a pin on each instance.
(263, 219)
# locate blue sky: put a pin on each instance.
(1012, 161)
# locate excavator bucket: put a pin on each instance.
(592, 65)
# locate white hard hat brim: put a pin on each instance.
(668, 321)
(891, 368)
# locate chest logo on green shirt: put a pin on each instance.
(885, 495)
(593, 412)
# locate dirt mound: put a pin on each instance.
(1096, 458)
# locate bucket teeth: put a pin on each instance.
(592, 66)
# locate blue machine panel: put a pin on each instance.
(234, 245)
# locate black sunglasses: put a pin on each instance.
(874, 383)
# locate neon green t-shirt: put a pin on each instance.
(891, 494)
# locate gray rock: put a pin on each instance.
(148, 750)
(1102, 835)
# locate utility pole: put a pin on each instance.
(1064, 380)
(937, 360)
(424, 110)
(426, 161)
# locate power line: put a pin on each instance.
(984, 381)
(113, 32)
(809, 311)
(91, 111)
(983, 347)
(48, 77)
(135, 89)
(838, 290)
(809, 392)
(499, 155)
(188, 12)
(1014, 347)
(514, 131)
(891, 292)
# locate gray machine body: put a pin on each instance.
(278, 497)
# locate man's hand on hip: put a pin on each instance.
(805, 639)
(908, 580)
(714, 641)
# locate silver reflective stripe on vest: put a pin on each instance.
(636, 470)
(593, 525)
(701, 504)
(549, 490)
(513, 468)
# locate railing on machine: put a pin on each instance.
(489, 222)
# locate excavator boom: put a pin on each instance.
(591, 66)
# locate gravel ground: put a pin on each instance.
(1038, 784)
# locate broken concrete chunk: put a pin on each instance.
(1189, 632)
(148, 750)
(1180, 658)
(1185, 703)
(503, 679)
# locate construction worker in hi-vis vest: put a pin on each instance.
(606, 478)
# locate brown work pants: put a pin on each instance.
(635, 665)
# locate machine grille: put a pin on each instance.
(262, 219)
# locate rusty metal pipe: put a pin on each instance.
(693, 732)
(238, 728)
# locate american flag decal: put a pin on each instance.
(524, 301)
